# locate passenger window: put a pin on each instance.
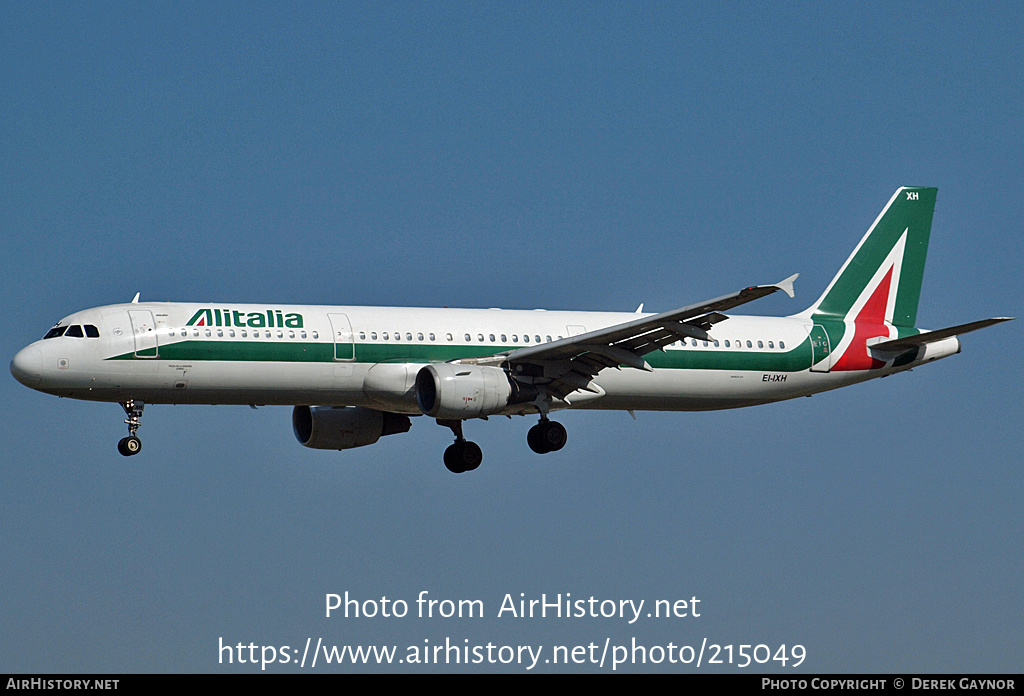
(316, 334)
(171, 332)
(449, 336)
(373, 335)
(491, 337)
(195, 333)
(705, 343)
(431, 336)
(398, 336)
(408, 336)
(760, 344)
(536, 339)
(266, 333)
(91, 331)
(480, 337)
(220, 333)
(208, 333)
(782, 345)
(384, 335)
(526, 338)
(749, 344)
(303, 334)
(548, 339)
(362, 336)
(726, 343)
(771, 344)
(75, 331)
(504, 339)
(468, 338)
(716, 344)
(245, 334)
(419, 337)
(291, 334)
(515, 339)
(231, 333)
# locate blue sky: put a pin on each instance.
(565, 156)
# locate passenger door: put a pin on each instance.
(144, 331)
(344, 347)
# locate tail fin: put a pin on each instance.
(883, 275)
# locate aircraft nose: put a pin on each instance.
(27, 366)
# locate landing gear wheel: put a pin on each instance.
(546, 436)
(535, 439)
(129, 445)
(554, 436)
(463, 456)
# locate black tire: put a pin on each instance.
(132, 445)
(453, 458)
(121, 447)
(554, 436)
(472, 455)
(535, 439)
(462, 457)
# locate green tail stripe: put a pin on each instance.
(910, 209)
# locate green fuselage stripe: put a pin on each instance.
(688, 358)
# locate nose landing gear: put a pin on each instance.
(132, 444)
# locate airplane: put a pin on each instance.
(356, 374)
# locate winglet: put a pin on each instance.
(135, 300)
(786, 285)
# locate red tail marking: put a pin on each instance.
(868, 324)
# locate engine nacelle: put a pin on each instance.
(341, 427)
(456, 392)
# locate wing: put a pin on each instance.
(564, 366)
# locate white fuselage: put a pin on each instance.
(368, 356)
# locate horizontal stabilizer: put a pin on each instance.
(908, 342)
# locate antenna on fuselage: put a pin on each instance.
(135, 300)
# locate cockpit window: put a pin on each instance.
(75, 331)
(55, 332)
(91, 331)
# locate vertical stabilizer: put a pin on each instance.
(883, 275)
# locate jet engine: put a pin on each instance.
(455, 392)
(341, 427)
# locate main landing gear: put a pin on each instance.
(464, 455)
(546, 436)
(132, 444)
